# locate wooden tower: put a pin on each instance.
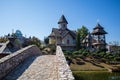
(99, 41)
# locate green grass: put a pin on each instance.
(95, 75)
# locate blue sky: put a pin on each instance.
(38, 17)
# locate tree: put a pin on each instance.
(115, 46)
(78, 40)
(34, 40)
(3, 39)
(46, 40)
(81, 34)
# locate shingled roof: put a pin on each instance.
(60, 33)
(98, 26)
(62, 20)
(98, 30)
(55, 32)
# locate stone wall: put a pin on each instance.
(11, 61)
(64, 71)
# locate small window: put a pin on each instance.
(68, 42)
(74, 42)
(63, 42)
(63, 25)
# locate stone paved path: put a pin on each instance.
(35, 68)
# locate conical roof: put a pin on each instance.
(62, 20)
(98, 30)
(98, 26)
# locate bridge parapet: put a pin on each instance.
(64, 71)
(9, 62)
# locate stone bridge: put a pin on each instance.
(29, 64)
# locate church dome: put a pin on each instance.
(18, 33)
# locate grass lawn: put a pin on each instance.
(81, 65)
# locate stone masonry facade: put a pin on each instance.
(29, 64)
(9, 62)
(64, 71)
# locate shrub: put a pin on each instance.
(50, 48)
(76, 52)
(85, 52)
(117, 58)
(102, 54)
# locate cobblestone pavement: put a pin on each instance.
(35, 68)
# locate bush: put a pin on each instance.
(76, 52)
(68, 52)
(53, 48)
(81, 53)
(86, 53)
(102, 54)
(50, 49)
(117, 58)
(34, 40)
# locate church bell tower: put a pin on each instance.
(62, 23)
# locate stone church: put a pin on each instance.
(66, 38)
(63, 36)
